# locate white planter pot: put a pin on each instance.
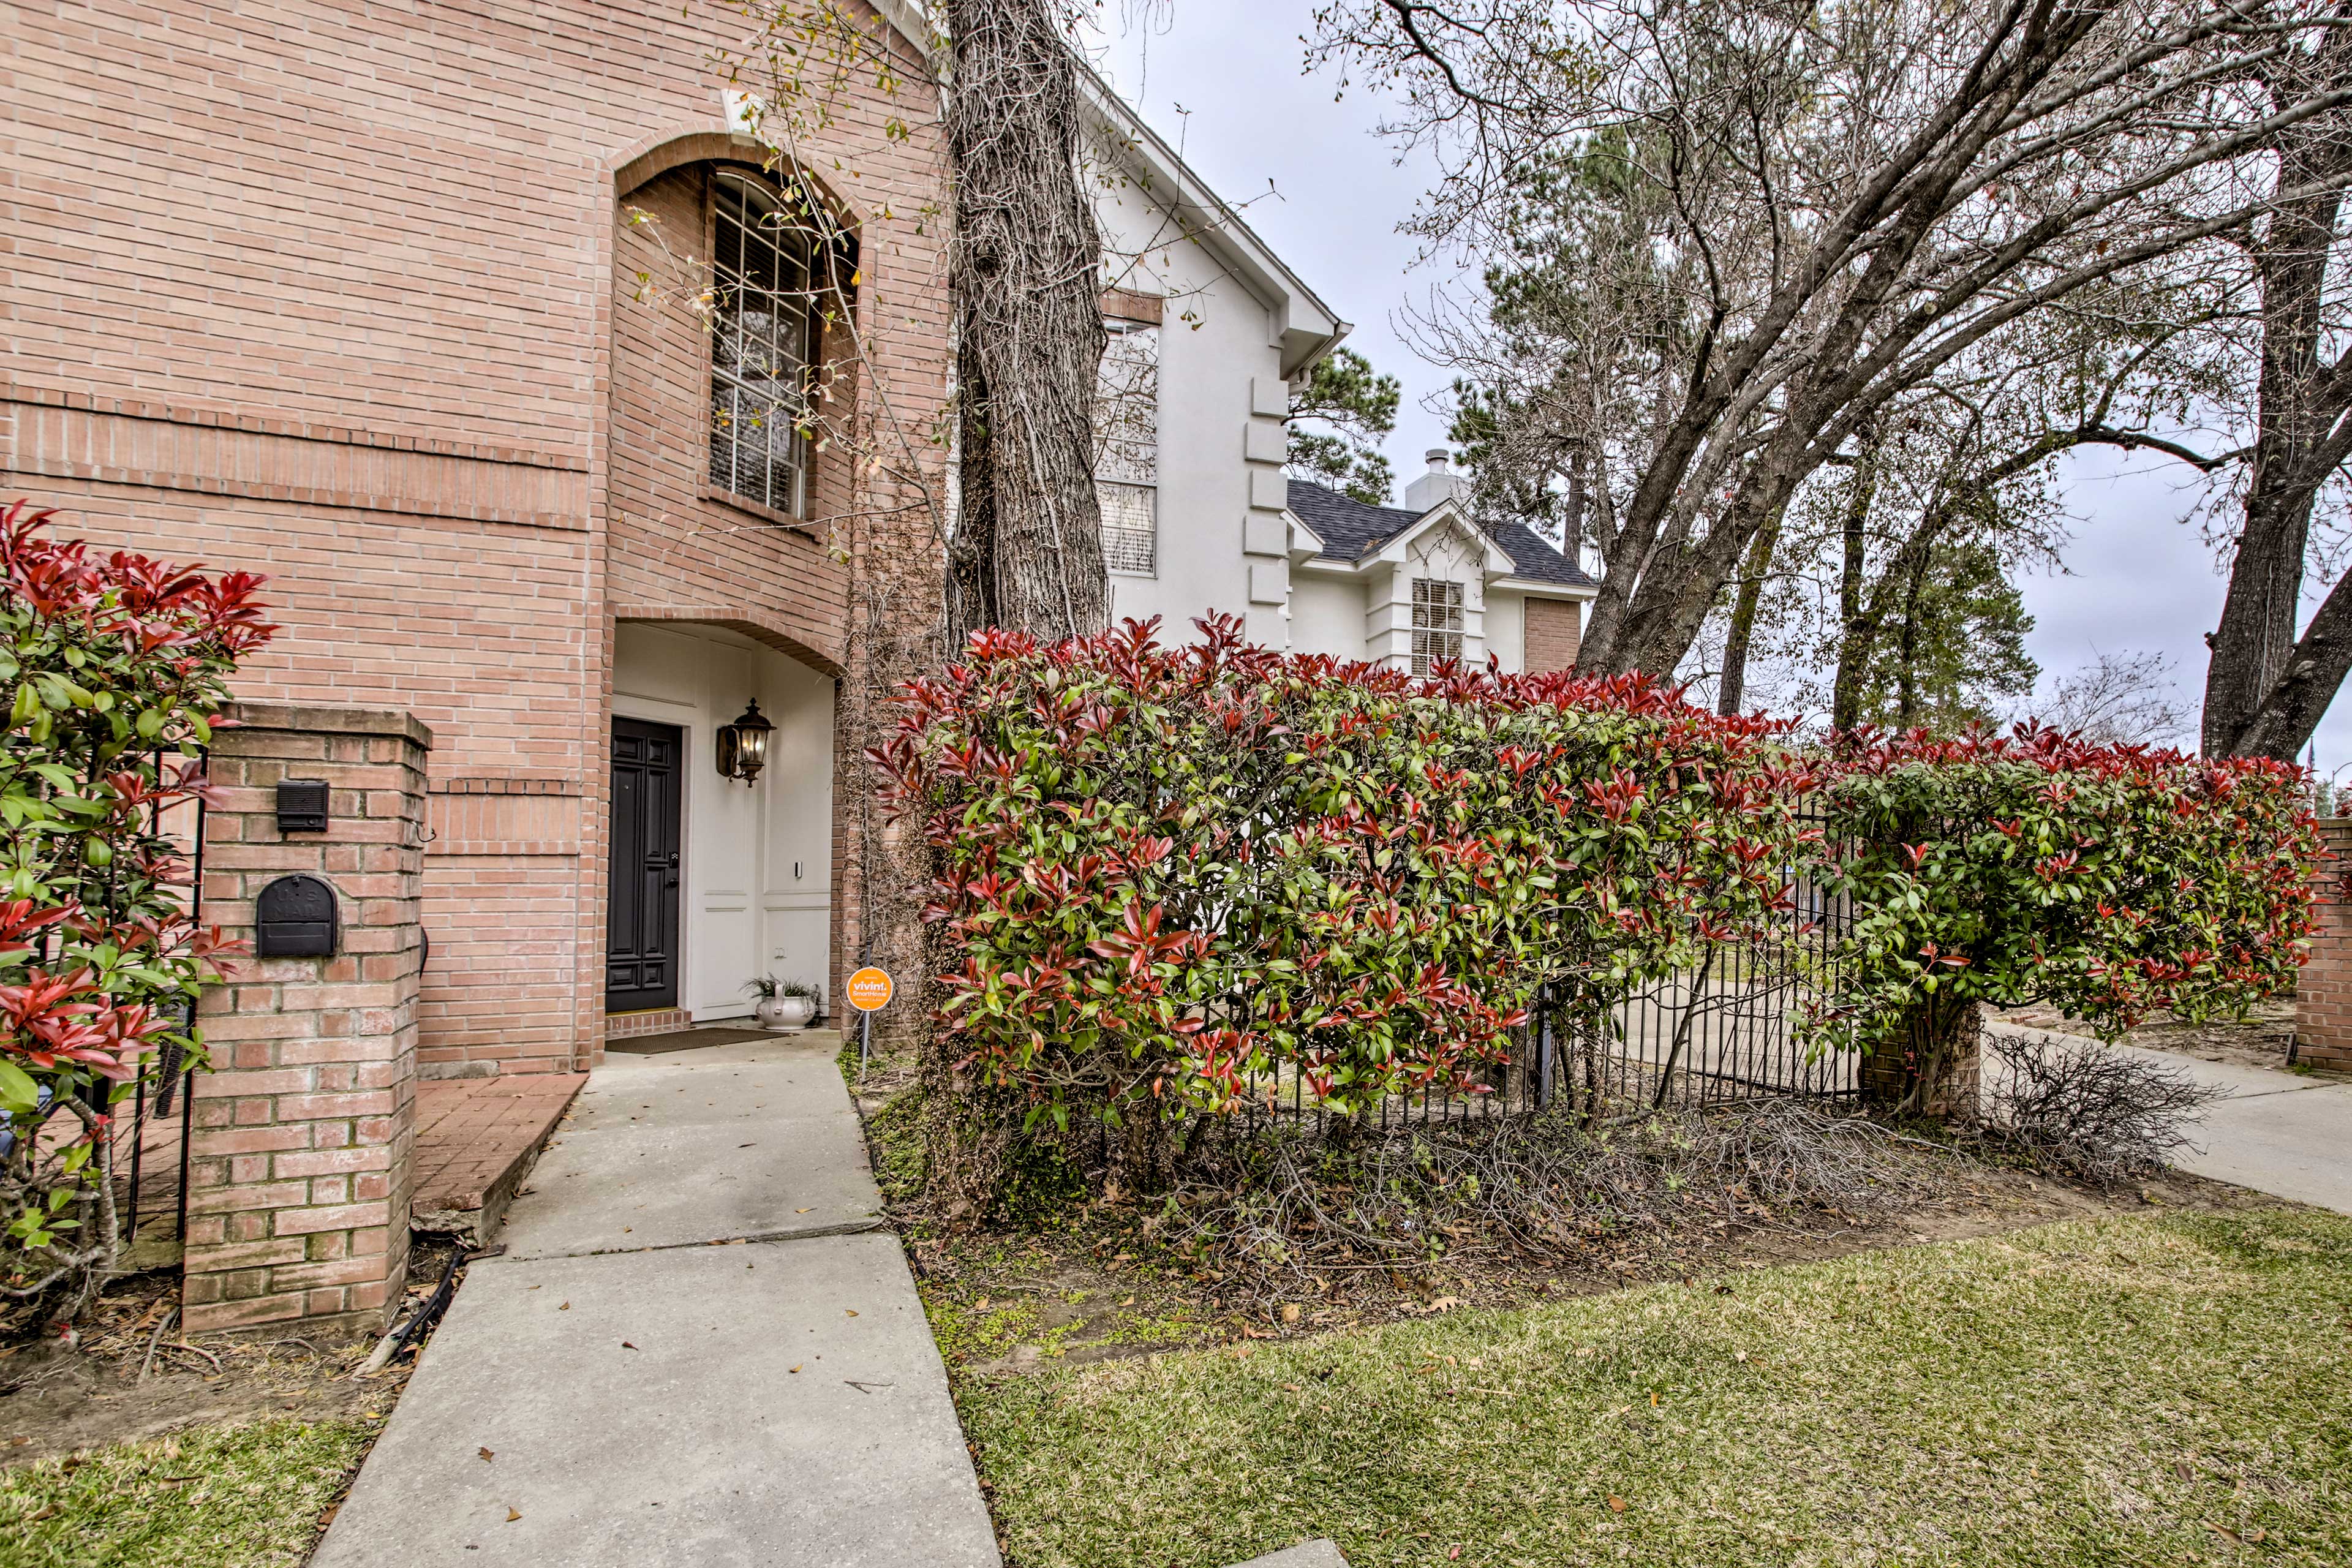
(785, 1013)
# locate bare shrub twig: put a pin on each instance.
(2072, 1105)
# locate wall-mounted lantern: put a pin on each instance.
(743, 745)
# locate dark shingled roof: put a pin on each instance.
(1351, 530)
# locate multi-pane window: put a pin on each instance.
(1127, 447)
(1436, 622)
(761, 347)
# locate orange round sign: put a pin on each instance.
(868, 990)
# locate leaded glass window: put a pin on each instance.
(761, 347)
(1436, 622)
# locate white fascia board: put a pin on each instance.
(1306, 328)
(1529, 587)
(912, 25)
(1496, 563)
(1305, 543)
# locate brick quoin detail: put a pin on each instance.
(1554, 634)
(301, 1159)
(2323, 992)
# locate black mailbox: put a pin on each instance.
(301, 806)
(296, 920)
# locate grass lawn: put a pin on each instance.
(242, 1497)
(2171, 1389)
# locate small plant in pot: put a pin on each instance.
(783, 1003)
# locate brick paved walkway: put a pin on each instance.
(475, 1134)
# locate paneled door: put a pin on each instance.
(641, 920)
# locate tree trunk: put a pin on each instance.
(2292, 415)
(1854, 636)
(1906, 664)
(1731, 691)
(2263, 694)
(2315, 667)
(1025, 267)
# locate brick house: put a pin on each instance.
(412, 308)
(402, 306)
(571, 427)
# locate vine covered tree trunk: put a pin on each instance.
(1026, 269)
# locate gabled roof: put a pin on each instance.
(1352, 531)
(1308, 327)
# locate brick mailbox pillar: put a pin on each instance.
(2323, 992)
(299, 1173)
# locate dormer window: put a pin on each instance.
(762, 346)
(1436, 622)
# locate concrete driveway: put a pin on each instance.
(2277, 1133)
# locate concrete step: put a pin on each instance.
(756, 1141)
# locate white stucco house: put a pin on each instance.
(1209, 330)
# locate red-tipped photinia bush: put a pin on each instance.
(1166, 874)
(113, 668)
(2115, 882)
(1165, 877)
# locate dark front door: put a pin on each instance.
(641, 924)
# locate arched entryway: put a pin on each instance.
(713, 881)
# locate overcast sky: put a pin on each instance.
(1224, 81)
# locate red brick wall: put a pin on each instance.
(2323, 992)
(299, 1168)
(1554, 629)
(346, 295)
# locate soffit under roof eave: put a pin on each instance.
(1536, 588)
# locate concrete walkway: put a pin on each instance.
(2277, 1133)
(700, 1349)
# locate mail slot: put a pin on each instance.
(301, 806)
(296, 919)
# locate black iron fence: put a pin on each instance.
(1731, 1029)
(148, 1134)
(142, 1154)
(148, 1149)
(148, 1161)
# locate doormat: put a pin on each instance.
(683, 1040)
